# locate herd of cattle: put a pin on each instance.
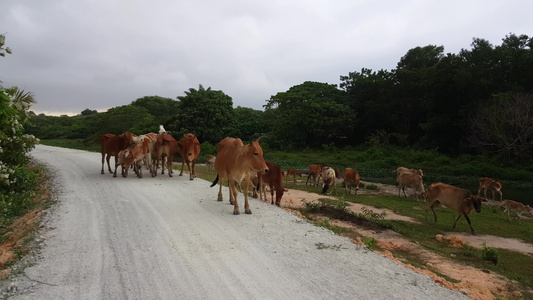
(237, 162)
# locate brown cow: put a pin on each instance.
(411, 180)
(189, 148)
(315, 173)
(489, 184)
(293, 173)
(274, 179)
(235, 160)
(351, 177)
(328, 176)
(517, 207)
(110, 145)
(455, 198)
(165, 147)
(407, 170)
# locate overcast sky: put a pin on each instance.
(78, 54)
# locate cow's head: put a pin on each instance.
(189, 147)
(475, 201)
(254, 156)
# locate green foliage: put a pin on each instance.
(370, 215)
(490, 254)
(371, 243)
(310, 114)
(204, 112)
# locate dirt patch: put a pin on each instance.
(475, 283)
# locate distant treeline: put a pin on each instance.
(477, 101)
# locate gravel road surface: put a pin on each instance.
(168, 238)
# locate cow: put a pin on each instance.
(489, 184)
(411, 180)
(274, 179)
(400, 170)
(351, 178)
(110, 145)
(315, 173)
(328, 177)
(235, 160)
(293, 173)
(140, 151)
(210, 162)
(189, 148)
(165, 147)
(454, 198)
(517, 207)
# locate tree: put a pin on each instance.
(310, 115)
(88, 112)
(3, 50)
(163, 109)
(248, 122)
(505, 127)
(204, 112)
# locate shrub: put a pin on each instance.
(490, 254)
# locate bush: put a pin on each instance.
(490, 254)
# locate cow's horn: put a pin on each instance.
(260, 138)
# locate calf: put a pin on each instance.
(314, 172)
(165, 147)
(454, 198)
(210, 162)
(293, 173)
(351, 178)
(411, 180)
(110, 145)
(139, 152)
(517, 207)
(489, 184)
(328, 177)
(189, 148)
(235, 160)
(400, 170)
(274, 179)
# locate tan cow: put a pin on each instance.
(517, 207)
(189, 148)
(411, 180)
(315, 171)
(454, 198)
(328, 178)
(407, 170)
(235, 160)
(210, 162)
(138, 152)
(351, 178)
(293, 173)
(166, 147)
(489, 184)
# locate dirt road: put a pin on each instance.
(168, 238)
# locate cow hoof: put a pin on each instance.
(236, 212)
(248, 211)
(219, 199)
(102, 172)
(191, 179)
(115, 175)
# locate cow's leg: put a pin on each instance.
(116, 166)
(103, 162)
(219, 198)
(182, 165)
(108, 165)
(194, 168)
(190, 170)
(246, 204)
(485, 192)
(272, 194)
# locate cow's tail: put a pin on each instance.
(215, 182)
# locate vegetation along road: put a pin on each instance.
(168, 238)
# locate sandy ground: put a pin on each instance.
(168, 238)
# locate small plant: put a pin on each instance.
(371, 243)
(310, 206)
(370, 215)
(372, 186)
(341, 205)
(490, 254)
